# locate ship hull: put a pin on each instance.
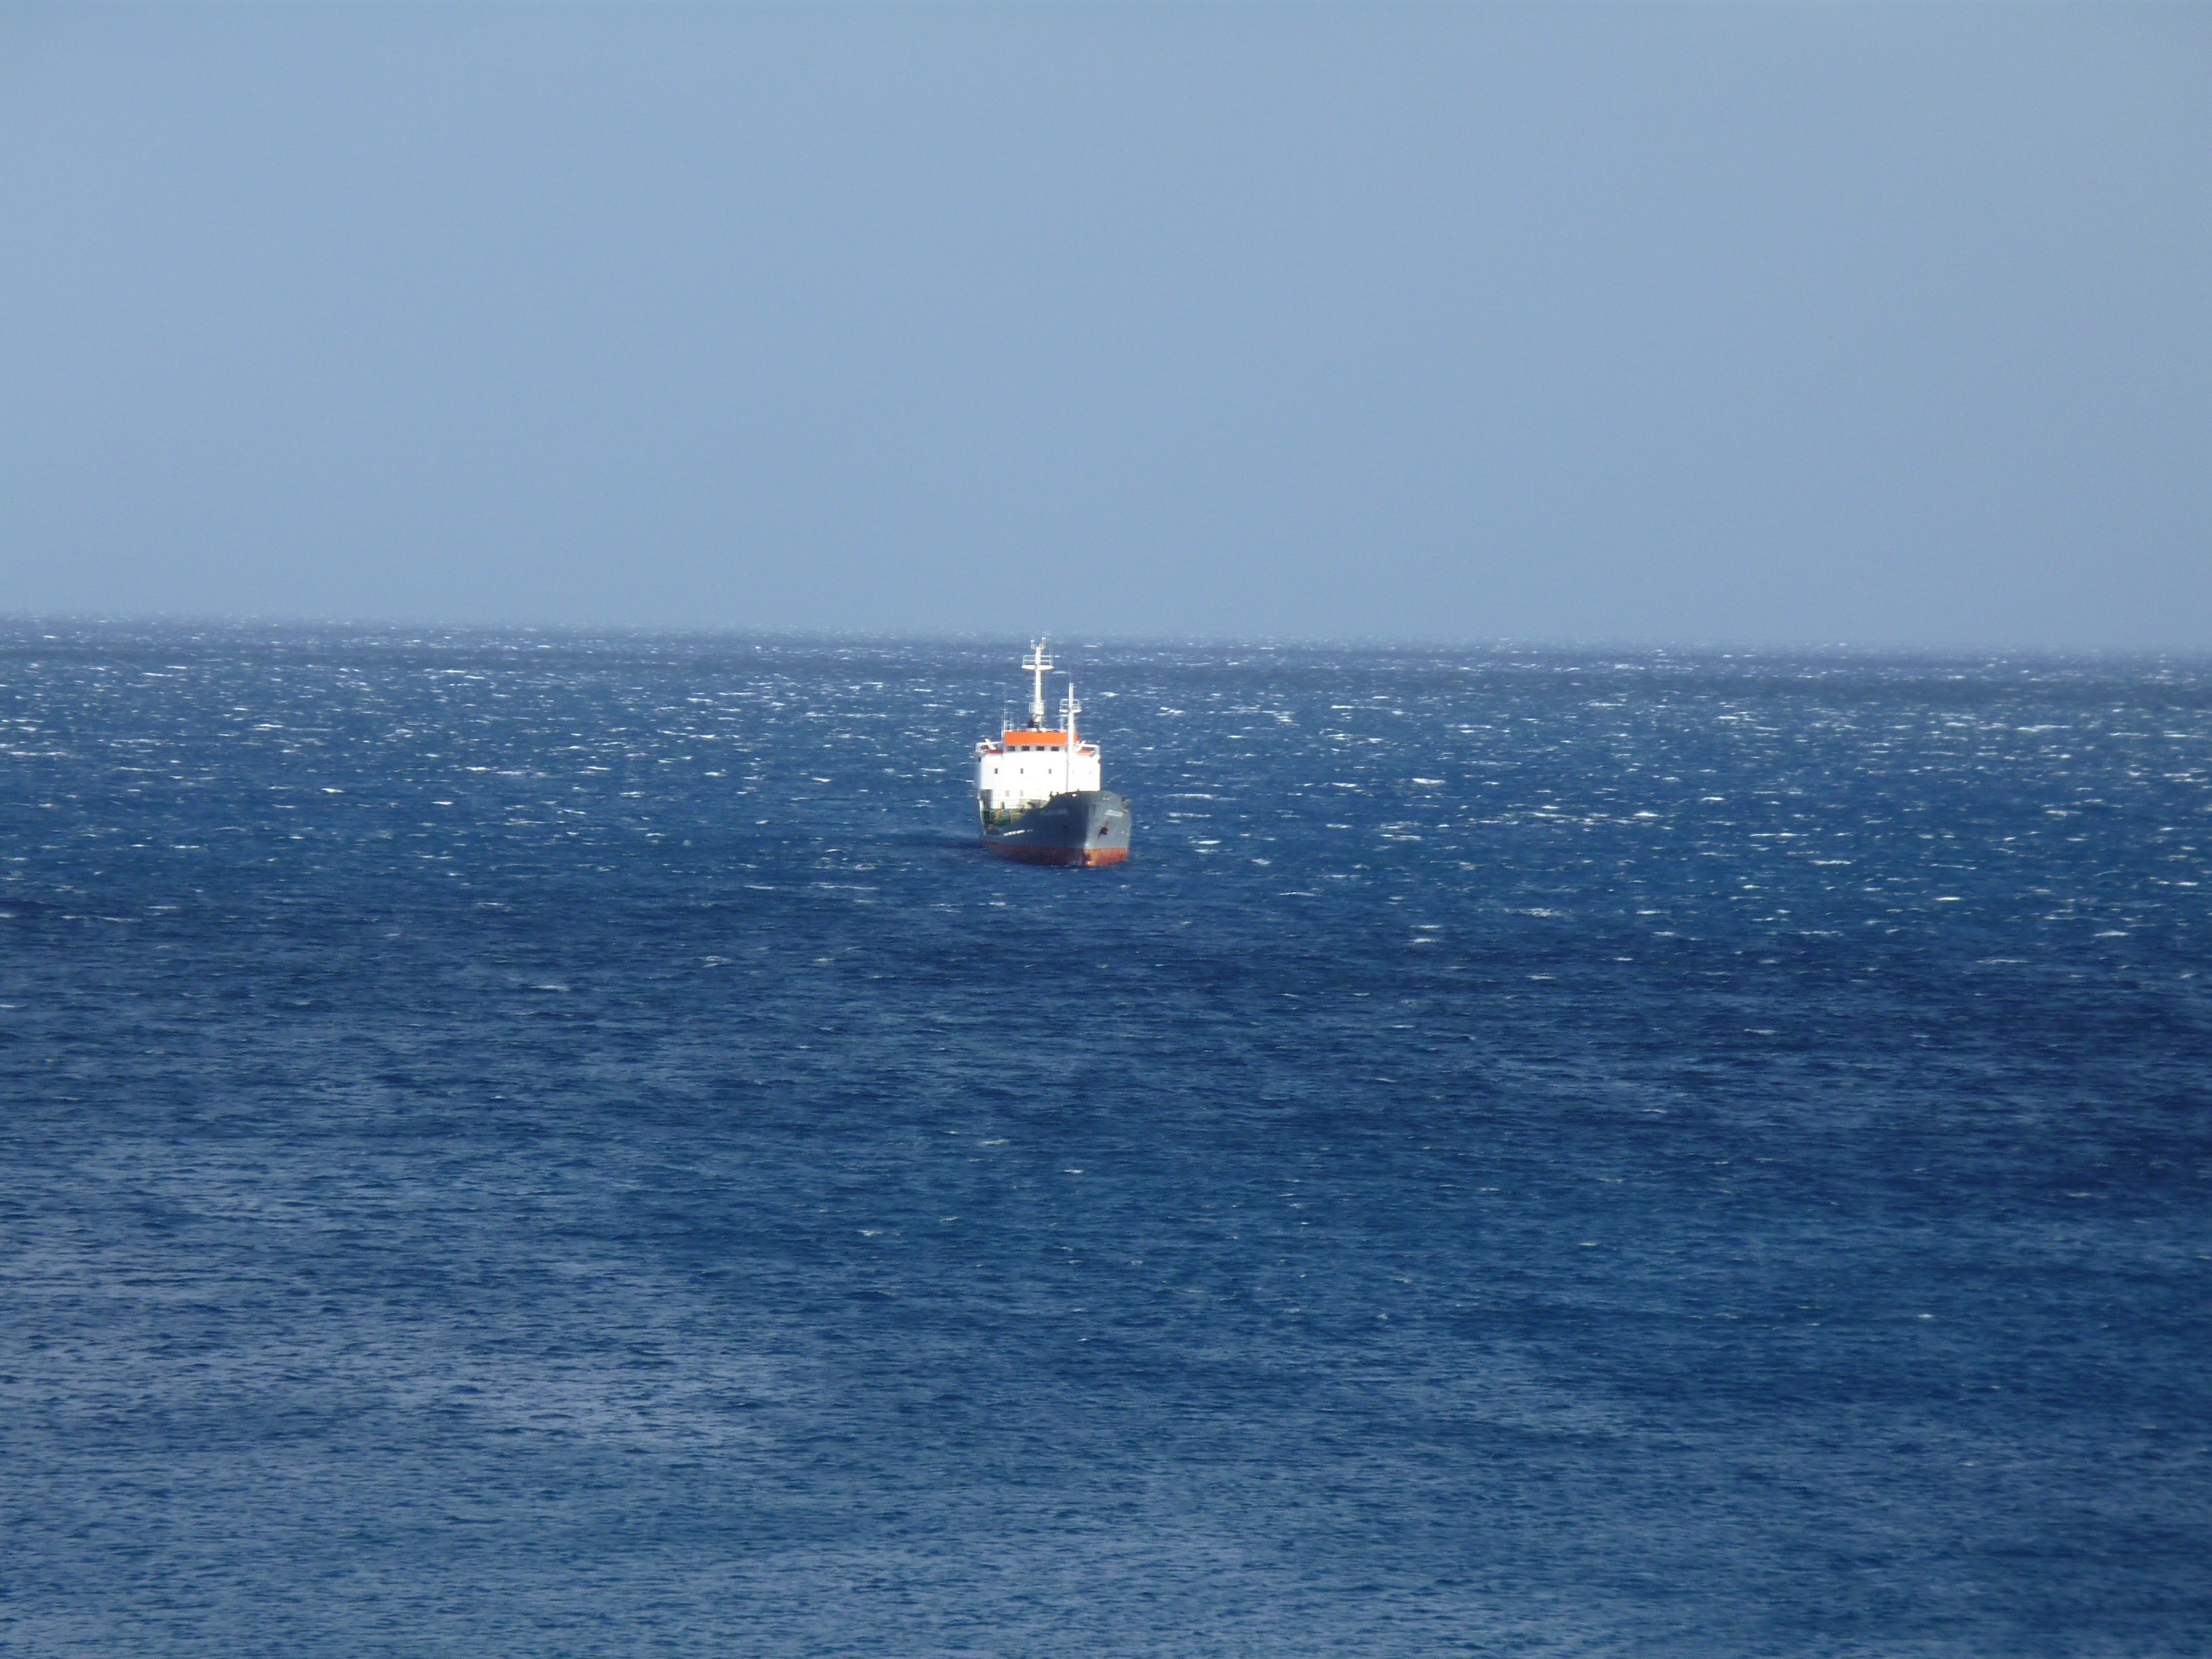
(1082, 827)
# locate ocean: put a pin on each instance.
(530, 1144)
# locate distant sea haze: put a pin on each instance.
(534, 1144)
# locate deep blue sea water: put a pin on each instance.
(528, 1144)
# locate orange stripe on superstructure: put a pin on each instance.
(1036, 739)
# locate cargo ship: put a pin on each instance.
(1037, 793)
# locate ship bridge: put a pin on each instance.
(1028, 765)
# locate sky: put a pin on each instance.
(1884, 326)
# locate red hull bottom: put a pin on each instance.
(1087, 857)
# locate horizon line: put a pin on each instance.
(1090, 638)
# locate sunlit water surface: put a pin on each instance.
(528, 1144)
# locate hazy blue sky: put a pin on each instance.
(1887, 325)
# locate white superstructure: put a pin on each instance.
(1029, 765)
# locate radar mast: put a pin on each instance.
(1039, 665)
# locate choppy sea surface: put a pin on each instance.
(535, 1144)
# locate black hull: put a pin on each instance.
(1085, 826)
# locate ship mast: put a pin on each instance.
(1038, 664)
(1069, 710)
